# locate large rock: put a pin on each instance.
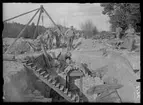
(19, 83)
(20, 47)
(14, 86)
(116, 66)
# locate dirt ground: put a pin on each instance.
(120, 65)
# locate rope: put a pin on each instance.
(21, 32)
(52, 21)
(42, 20)
(37, 28)
(20, 15)
(43, 48)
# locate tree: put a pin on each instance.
(89, 29)
(25, 33)
(122, 14)
(31, 30)
(11, 30)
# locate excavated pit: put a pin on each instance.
(22, 85)
(19, 82)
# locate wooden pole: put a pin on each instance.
(52, 20)
(45, 53)
(38, 23)
(20, 15)
(21, 33)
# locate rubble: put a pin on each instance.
(34, 72)
(20, 47)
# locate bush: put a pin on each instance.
(11, 30)
(106, 35)
(89, 29)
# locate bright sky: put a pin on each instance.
(66, 14)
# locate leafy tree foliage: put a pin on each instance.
(11, 30)
(122, 14)
(89, 29)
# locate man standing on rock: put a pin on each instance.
(118, 36)
(70, 37)
(130, 32)
(118, 32)
(49, 39)
(58, 37)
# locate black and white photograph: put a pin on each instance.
(71, 52)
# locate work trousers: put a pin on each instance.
(70, 42)
(57, 42)
(50, 44)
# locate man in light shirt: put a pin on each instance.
(130, 31)
(58, 37)
(48, 38)
(70, 37)
(118, 32)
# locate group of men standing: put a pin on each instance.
(129, 34)
(52, 38)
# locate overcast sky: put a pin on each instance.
(62, 13)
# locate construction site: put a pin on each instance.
(103, 69)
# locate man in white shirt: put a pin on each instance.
(118, 32)
(58, 37)
(48, 38)
(70, 37)
(130, 31)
